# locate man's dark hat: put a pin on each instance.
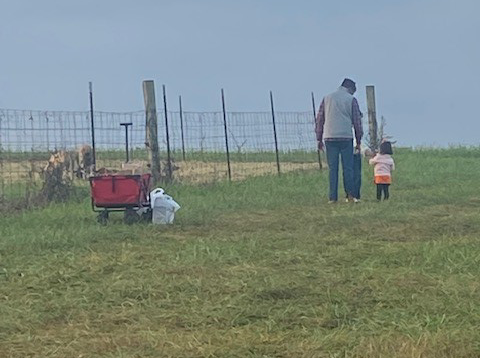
(348, 83)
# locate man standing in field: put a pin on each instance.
(338, 113)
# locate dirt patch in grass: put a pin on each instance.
(204, 172)
(189, 172)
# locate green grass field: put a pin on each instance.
(257, 268)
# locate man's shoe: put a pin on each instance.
(352, 199)
(332, 201)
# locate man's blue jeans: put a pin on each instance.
(357, 175)
(344, 150)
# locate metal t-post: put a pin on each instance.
(226, 136)
(94, 156)
(275, 132)
(314, 122)
(169, 158)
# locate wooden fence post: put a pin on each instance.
(181, 126)
(372, 118)
(151, 140)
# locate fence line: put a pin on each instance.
(197, 143)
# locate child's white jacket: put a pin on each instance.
(383, 164)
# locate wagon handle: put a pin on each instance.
(126, 125)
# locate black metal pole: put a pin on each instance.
(126, 143)
(94, 157)
(181, 126)
(314, 120)
(126, 125)
(226, 136)
(169, 159)
(275, 132)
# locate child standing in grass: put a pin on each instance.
(383, 166)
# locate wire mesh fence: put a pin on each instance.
(196, 141)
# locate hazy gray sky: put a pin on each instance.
(423, 56)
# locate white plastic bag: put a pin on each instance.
(163, 207)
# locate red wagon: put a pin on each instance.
(128, 193)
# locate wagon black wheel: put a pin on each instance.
(102, 218)
(147, 215)
(130, 216)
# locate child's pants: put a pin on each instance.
(384, 188)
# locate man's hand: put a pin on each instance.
(369, 153)
(320, 146)
(357, 147)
